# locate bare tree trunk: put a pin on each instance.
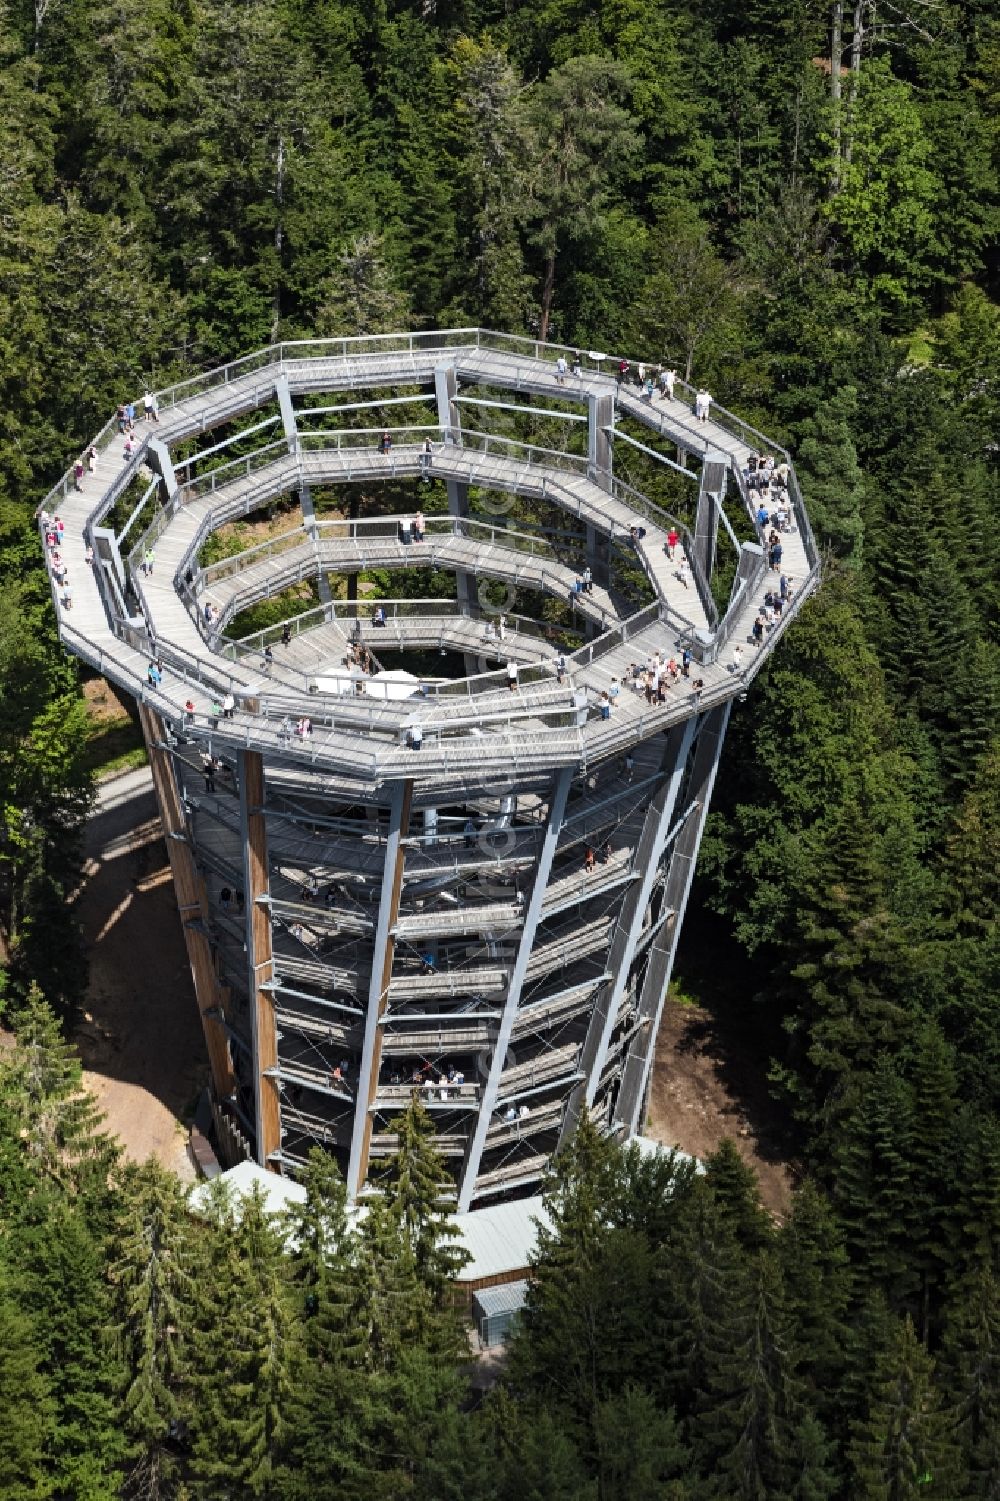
(41, 9)
(857, 43)
(798, 132)
(836, 58)
(548, 293)
(279, 237)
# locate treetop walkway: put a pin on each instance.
(117, 618)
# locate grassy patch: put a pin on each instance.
(115, 745)
(678, 993)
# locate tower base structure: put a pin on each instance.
(436, 835)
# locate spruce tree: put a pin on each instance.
(818, 1279)
(537, 1451)
(905, 1449)
(827, 463)
(27, 1407)
(60, 1276)
(700, 1281)
(737, 1191)
(639, 1449)
(590, 1301)
(933, 1147)
(317, 1229)
(970, 1375)
(239, 1370)
(743, 1436)
(46, 1106)
(816, 1476)
(873, 1185)
(417, 1187)
(152, 1292)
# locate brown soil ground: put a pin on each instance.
(103, 703)
(140, 1038)
(703, 1091)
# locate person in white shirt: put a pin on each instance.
(561, 369)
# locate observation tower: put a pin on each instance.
(467, 873)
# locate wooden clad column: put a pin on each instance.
(260, 959)
(192, 903)
(378, 991)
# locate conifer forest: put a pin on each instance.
(796, 203)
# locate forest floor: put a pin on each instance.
(139, 1036)
(707, 1085)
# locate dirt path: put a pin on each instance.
(140, 1038)
(704, 1089)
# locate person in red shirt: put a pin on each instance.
(672, 540)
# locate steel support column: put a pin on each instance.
(599, 556)
(291, 430)
(260, 958)
(158, 457)
(465, 583)
(189, 890)
(601, 411)
(711, 494)
(628, 928)
(445, 390)
(680, 873)
(531, 918)
(371, 1053)
(288, 422)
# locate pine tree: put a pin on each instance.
(904, 1449)
(239, 1371)
(737, 1191)
(416, 1185)
(700, 1282)
(743, 1435)
(27, 1406)
(817, 1277)
(970, 1373)
(873, 1186)
(153, 1290)
(638, 1448)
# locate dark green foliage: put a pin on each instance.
(182, 181)
(905, 1448)
(735, 1189)
(27, 1405)
(418, 1194)
(241, 1338)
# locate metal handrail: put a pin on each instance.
(532, 454)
